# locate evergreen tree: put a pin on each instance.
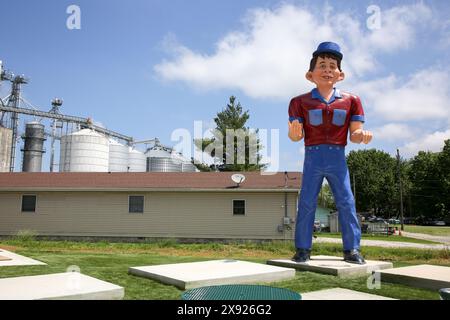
(240, 150)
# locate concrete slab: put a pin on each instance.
(421, 276)
(216, 272)
(59, 286)
(333, 265)
(14, 259)
(341, 294)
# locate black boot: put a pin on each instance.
(353, 256)
(301, 255)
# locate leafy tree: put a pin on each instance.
(326, 198)
(374, 173)
(425, 183)
(240, 150)
(444, 169)
(426, 191)
(430, 177)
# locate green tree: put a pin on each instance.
(374, 173)
(234, 146)
(326, 198)
(444, 169)
(426, 190)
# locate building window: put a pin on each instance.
(28, 203)
(136, 204)
(238, 207)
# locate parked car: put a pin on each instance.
(437, 223)
(394, 221)
(409, 220)
(433, 222)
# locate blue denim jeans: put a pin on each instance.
(326, 161)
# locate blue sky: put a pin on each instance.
(147, 68)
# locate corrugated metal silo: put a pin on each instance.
(84, 151)
(136, 161)
(118, 156)
(5, 148)
(161, 160)
(33, 147)
(186, 165)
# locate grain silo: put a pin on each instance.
(5, 148)
(186, 165)
(84, 151)
(159, 159)
(33, 148)
(136, 161)
(118, 156)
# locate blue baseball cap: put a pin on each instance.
(329, 47)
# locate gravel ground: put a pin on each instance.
(389, 244)
(441, 239)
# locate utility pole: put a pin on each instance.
(401, 189)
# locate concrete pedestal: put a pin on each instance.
(421, 276)
(333, 265)
(341, 294)
(216, 272)
(59, 286)
(8, 258)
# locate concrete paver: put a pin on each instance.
(216, 272)
(14, 259)
(333, 265)
(59, 286)
(421, 276)
(341, 294)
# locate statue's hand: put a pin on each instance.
(295, 130)
(360, 135)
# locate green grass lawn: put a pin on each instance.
(432, 230)
(379, 237)
(110, 262)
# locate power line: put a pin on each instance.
(400, 184)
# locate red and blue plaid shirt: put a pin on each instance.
(326, 122)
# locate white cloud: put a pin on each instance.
(396, 30)
(270, 56)
(423, 96)
(394, 132)
(432, 142)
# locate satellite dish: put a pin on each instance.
(238, 178)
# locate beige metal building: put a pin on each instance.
(150, 205)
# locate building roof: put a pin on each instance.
(148, 181)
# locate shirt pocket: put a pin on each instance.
(315, 117)
(339, 116)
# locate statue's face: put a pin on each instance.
(326, 72)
